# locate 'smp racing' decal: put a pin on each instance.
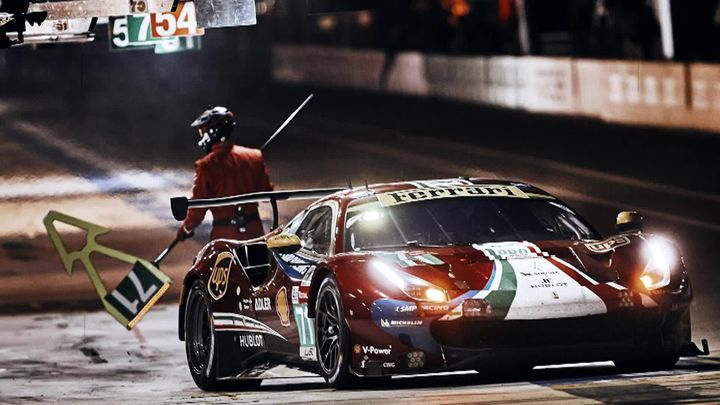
(398, 317)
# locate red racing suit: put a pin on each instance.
(229, 170)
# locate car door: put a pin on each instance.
(278, 303)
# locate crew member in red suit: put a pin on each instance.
(227, 169)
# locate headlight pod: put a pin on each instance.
(661, 258)
(414, 287)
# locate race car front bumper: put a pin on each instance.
(415, 342)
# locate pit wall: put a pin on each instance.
(665, 94)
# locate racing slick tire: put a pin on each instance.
(200, 346)
(662, 356)
(333, 336)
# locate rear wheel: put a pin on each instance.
(332, 336)
(200, 343)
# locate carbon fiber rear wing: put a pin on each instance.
(180, 205)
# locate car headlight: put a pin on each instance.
(660, 256)
(414, 287)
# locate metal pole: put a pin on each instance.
(523, 30)
(664, 14)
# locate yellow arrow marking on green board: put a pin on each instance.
(134, 295)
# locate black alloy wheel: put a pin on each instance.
(199, 337)
(332, 336)
(200, 345)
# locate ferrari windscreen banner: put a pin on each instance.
(438, 192)
(137, 291)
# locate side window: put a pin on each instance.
(315, 231)
(294, 224)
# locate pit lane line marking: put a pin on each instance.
(109, 174)
(106, 174)
(68, 186)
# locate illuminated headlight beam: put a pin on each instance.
(414, 287)
(661, 258)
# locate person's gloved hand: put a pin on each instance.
(183, 233)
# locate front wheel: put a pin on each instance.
(200, 344)
(665, 353)
(332, 336)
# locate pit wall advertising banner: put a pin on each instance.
(662, 94)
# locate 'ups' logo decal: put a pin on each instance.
(220, 275)
(282, 307)
(608, 244)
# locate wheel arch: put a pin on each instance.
(185, 289)
(317, 278)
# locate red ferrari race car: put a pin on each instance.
(427, 276)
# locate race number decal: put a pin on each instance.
(134, 295)
(178, 23)
(305, 332)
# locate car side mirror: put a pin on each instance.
(285, 243)
(629, 221)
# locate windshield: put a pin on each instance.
(459, 221)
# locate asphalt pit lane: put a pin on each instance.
(44, 318)
(640, 394)
(84, 341)
(93, 355)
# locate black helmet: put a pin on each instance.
(215, 125)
